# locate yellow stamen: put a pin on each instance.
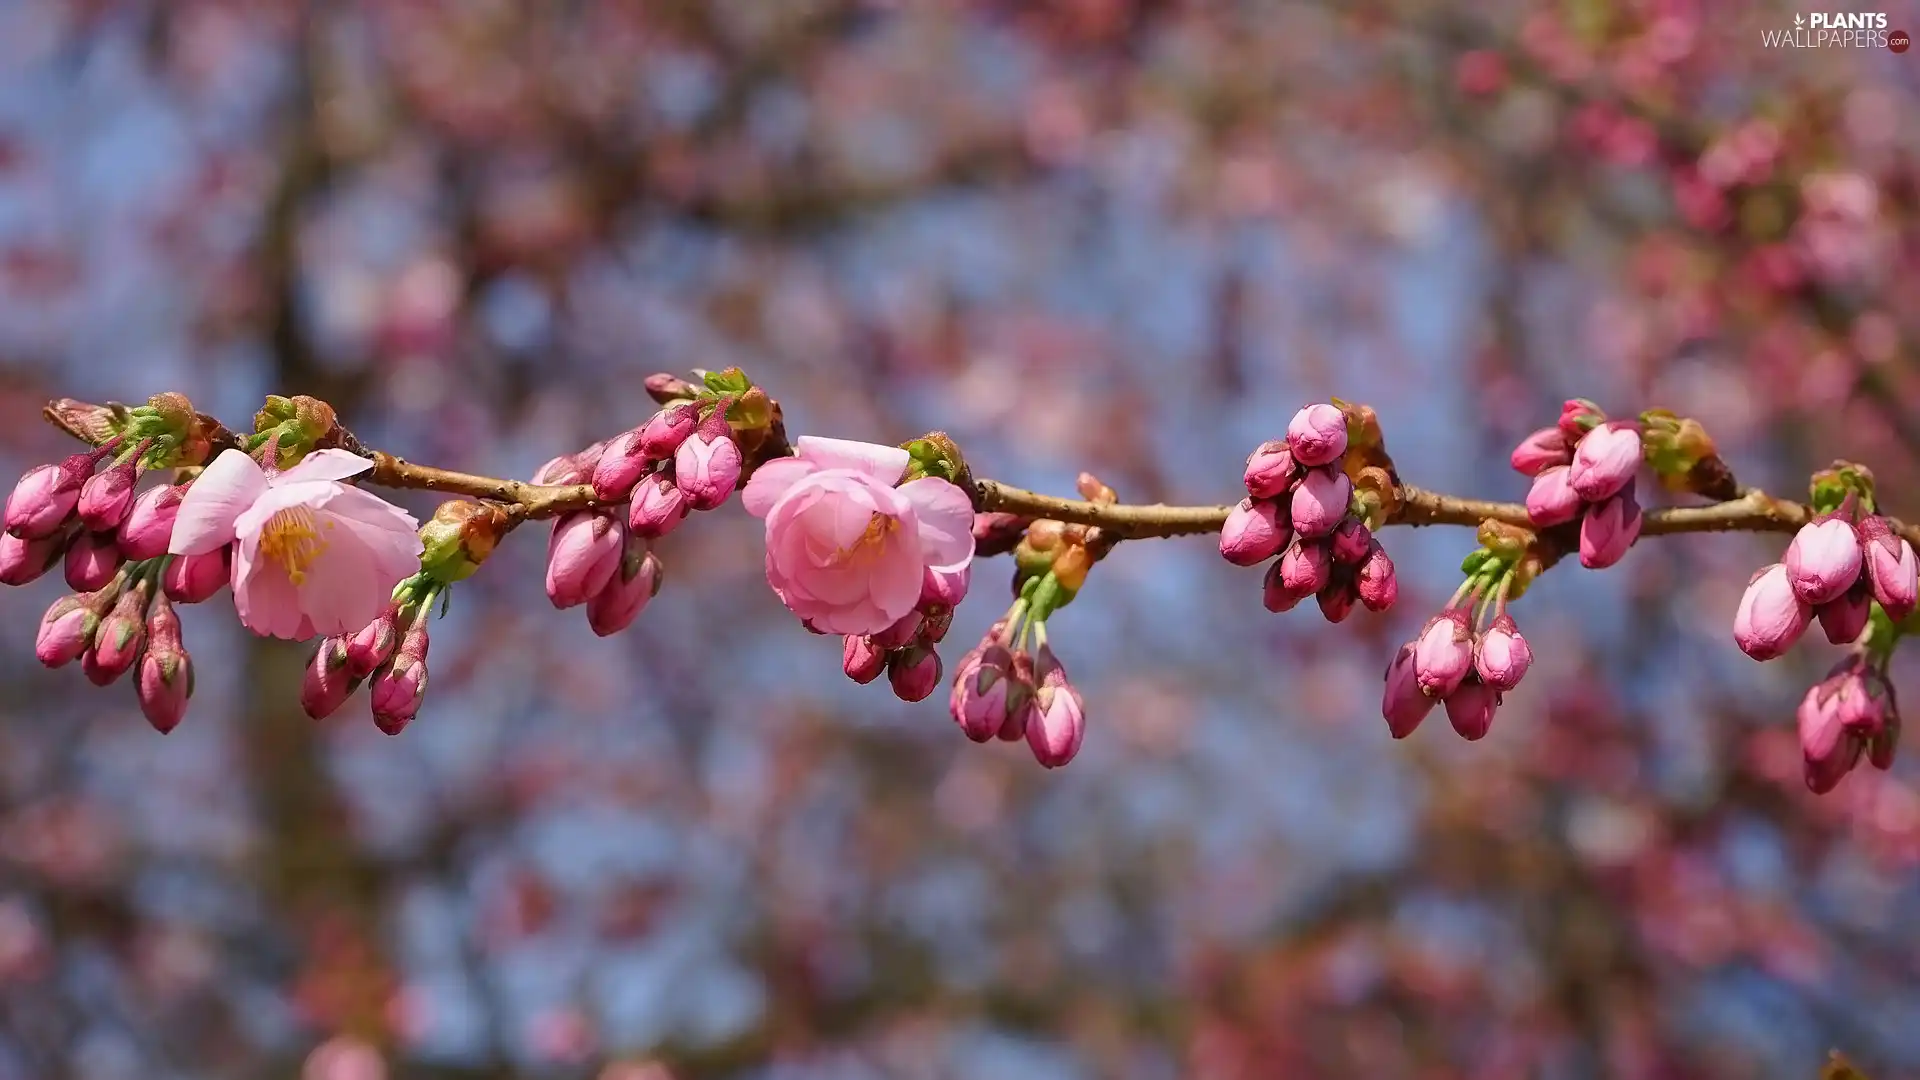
(868, 546)
(291, 538)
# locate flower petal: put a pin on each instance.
(265, 600)
(773, 480)
(344, 590)
(224, 491)
(946, 520)
(325, 465)
(886, 464)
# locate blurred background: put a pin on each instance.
(1130, 236)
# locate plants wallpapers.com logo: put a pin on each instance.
(1843, 30)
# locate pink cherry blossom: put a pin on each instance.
(846, 550)
(312, 555)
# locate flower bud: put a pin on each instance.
(1319, 502)
(983, 691)
(1253, 533)
(565, 470)
(1845, 619)
(1269, 470)
(636, 582)
(1880, 748)
(863, 662)
(1317, 435)
(1890, 567)
(1275, 595)
(1470, 709)
(1608, 530)
(660, 439)
(1019, 699)
(1540, 451)
(936, 620)
(1551, 500)
(189, 579)
(328, 682)
(666, 388)
(914, 672)
(1443, 653)
(92, 560)
(1824, 559)
(1605, 461)
(1579, 416)
(107, 495)
(1057, 719)
(373, 644)
(706, 466)
(945, 586)
(1306, 567)
(22, 561)
(165, 680)
(1502, 656)
(582, 555)
(1829, 748)
(1352, 541)
(621, 466)
(1404, 704)
(901, 634)
(1375, 581)
(997, 533)
(1337, 598)
(658, 507)
(459, 537)
(66, 631)
(1771, 616)
(45, 496)
(148, 528)
(400, 687)
(121, 638)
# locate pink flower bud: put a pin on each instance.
(1608, 530)
(945, 586)
(22, 561)
(66, 631)
(1502, 656)
(658, 507)
(1057, 719)
(1317, 435)
(582, 555)
(120, 640)
(1269, 470)
(1771, 616)
(901, 634)
(1375, 581)
(1540, 451)
(1253, 533)
(621, 466)
(1880, 748)
(45, 496)
(636, 582)
(1305, 568)
(983, 692)
(1845, 619)
(1404, 704)
(400, 687)
(92, 560)
(565, 470)
(1605, 461)
(107, 495)
(373, 644)
(997, 533)
(1891, 568)
(1443, 654)
(1276, 596)
(1319, 502)
(1352, 541)
(660, 439)
(164, 685)
(1470, 709)
(1552, 500)
(914, 672)
(190, 579)
(1829, 748)
(148, 528)
(1019, 699)
(707, 465)
(935, 621)
(1824, 559)
(863, 663)
(1579, 416)
(1337, 598)
(328, 682)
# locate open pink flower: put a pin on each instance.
(311, 555)
(846, 550)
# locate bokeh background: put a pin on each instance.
(1120, 235)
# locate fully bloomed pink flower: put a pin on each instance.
(311, 555)
(846, 550)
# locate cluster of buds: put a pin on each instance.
(1849, 715)
(1302, 507)
(1471, 654)
(905, 650)
(391, 651)
(127, 623)
(1584, 469)
(1005, 691)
